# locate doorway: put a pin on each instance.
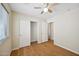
(33, 32)
(50, 31)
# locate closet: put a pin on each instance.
(33, 28)
(44, 31)
(27, 30)
(50, 30)
(24, 33)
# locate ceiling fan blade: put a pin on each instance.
(37, 7)
(47, 4)
(49, 10)
(51, 7)
(42, 12)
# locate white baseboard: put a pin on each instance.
(20, 47)
(66, 48)
(15, 48)
(10, 52)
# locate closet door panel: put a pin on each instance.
(44, 32)
(39, 36)
(24, 33)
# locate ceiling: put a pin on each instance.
(28, 9)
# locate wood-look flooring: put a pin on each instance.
(43, 49)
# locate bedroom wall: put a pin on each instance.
(5, 47)
(66, 30)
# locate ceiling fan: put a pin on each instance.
(48, 7)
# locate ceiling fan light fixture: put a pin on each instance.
(45, 9)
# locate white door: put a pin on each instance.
(44, 31)
(24, 33)
(39, 36)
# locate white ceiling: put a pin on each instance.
(28, 9)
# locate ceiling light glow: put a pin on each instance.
(45, 9)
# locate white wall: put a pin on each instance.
(33, 31)
(5, 47)
(66, 30)
(15, 41)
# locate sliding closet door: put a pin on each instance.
(39, 36)
(24, 33)
(44, 32)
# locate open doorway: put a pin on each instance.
(33, 32)
(50, 31)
